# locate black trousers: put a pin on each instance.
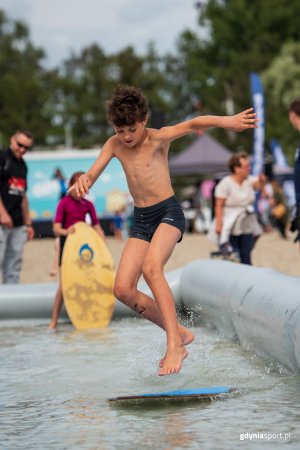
(243, 244)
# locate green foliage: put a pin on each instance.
(86, 81)
(282, 85)
(22, 82)
(209, 74)
(236, 37)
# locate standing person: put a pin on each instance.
(63, 187)
(236, 222)
(117, 225)
(15, 223)
(279, 212)
(294, 116)
(70, 210)
(158, 218)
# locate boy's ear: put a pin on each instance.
(146, 119)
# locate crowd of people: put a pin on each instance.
(243, 207)
(239, 205)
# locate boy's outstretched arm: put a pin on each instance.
(239, 122)
(87, 180)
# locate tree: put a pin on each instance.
(282, 85)
(85, 81)
(22, 82)
(235, 38)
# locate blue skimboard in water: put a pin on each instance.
(207, 394)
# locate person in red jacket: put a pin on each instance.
(70, 210)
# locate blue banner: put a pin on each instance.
(257, 92)
(278, 155)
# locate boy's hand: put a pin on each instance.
(82, 185)
(242, 121)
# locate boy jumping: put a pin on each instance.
(158, 219)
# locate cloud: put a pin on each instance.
(39, 175)
(105, 178)
(62, 26)
(45, 189)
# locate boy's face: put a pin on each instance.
(130, 136)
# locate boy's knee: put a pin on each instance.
(151, 270)
(122, 291)
(118, 291)
(127, 296)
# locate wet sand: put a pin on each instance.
(270, 251)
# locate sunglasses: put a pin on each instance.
(26, 147)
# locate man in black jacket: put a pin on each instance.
(15, 222)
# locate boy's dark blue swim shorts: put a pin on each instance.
(146, 220)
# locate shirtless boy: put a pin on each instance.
(158, 219)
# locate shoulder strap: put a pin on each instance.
(4, 162)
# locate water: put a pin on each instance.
(54, 388)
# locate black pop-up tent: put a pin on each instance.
(205, 155)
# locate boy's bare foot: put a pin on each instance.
(173, 361)
(52, 325)
(53, 273)
(186, 335)
(187, 338)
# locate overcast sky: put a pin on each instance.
(59, 26)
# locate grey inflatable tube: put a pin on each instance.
(258, 307)
(35, 301)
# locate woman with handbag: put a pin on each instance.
(236, 222)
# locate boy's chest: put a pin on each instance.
(142, 161)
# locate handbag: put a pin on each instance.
(278, 211)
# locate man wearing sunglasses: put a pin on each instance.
(15, 222)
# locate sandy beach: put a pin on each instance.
(270, 251)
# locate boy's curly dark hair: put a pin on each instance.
(127, 106)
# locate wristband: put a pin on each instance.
(28, 225)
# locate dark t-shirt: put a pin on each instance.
(13, 173)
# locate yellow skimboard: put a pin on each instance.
(87, 275)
